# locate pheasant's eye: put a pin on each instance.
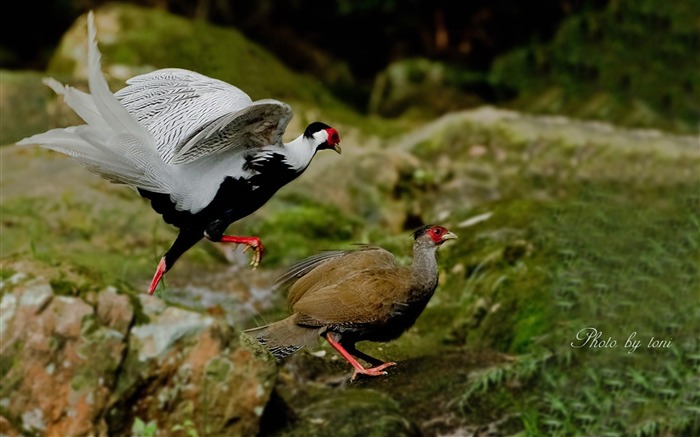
(436, 231)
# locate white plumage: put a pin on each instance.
(199, 149)
(170, 131)
(191, 115)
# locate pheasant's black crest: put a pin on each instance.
(313, 128)
(420, 231)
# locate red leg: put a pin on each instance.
(250, 242)
(372, 371)
(156, 278)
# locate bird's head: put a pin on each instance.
(324, 136)
(433, 235)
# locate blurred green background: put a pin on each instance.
(631, 62)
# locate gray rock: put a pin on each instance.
(74, 365)
(114, 310)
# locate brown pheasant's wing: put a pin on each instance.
(304, 266)
(366, 296)
(329, 268)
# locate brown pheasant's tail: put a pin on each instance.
(285, 337)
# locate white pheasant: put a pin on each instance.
(199, 149)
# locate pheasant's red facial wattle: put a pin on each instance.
(436, 233)
(332, 141)
(333, 137)
(440, 234)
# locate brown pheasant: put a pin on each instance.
(348, 296)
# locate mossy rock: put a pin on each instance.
(297, 229)
(588, 69)
(350, 413)
(423, 87)
(135, 40)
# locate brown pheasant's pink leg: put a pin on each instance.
(359, 369)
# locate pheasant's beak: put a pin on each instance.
(337, 148)
(449, 236)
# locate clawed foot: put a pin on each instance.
(250, 243)
(372, 371)
(257, 252)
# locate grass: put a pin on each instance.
(105, 243)
(620, 266)
(295, 223)
(621, 258)
(606, 234)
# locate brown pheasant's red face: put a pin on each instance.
(440, 234)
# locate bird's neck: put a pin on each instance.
(424, 271)
(299, 152)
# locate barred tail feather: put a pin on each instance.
(114, 114)
(112, 143)
(285, 337)
(80, 102)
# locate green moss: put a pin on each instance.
(24, 107)
(103, 350)
(218, 369)
(6, 273)
(620, 264)
(534, 320)
(140, 316)
(101, 243)
(65, 287)
(303, 228)
(422, 88)
(502, 306)
(218, 52)
(8, 360)
(589, 70)
(337, 413)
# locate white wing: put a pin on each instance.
(192, 115)
(168, 116)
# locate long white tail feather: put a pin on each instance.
(68, 141)
(55, 85)
(81, 102)
(113, 112)
(79, 143)
(112, 143)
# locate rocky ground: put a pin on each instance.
(562, 224)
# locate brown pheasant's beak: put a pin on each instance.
(449, 236)
(337, 149)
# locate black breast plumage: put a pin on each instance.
(236, 197)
